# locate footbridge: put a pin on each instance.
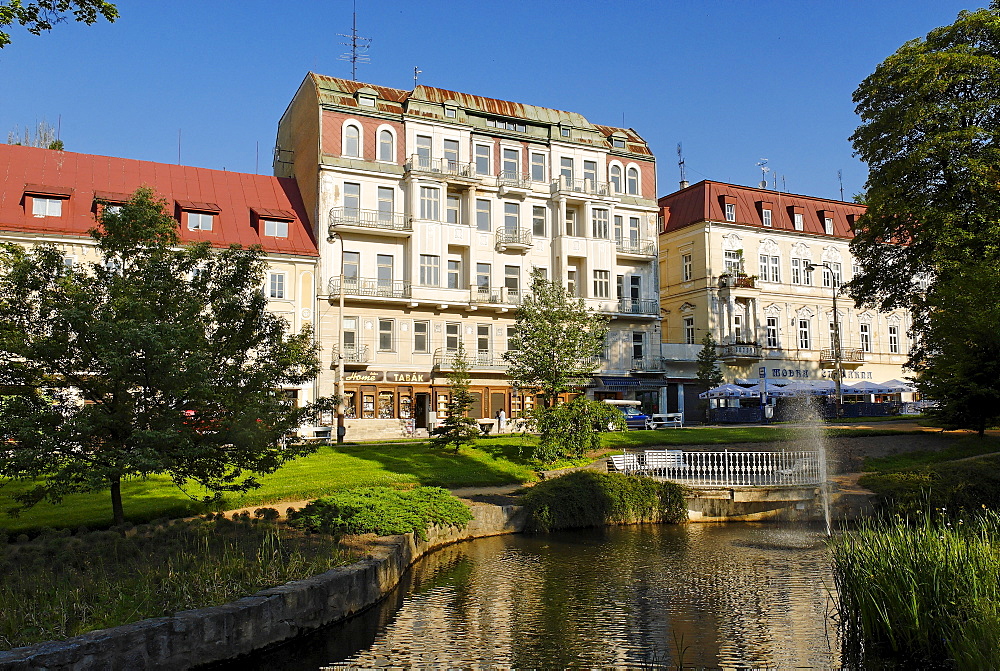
(728, 486)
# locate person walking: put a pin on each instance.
(501, 421)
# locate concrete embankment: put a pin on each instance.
(206, 635)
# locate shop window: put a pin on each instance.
(368, 405)
(386, 409)
(350, 405)
(405, 405)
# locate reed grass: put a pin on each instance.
(920, 595)
(60, 584)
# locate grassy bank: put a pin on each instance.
(490, 461)
(920, 596)
(60, 585)
(590, 499)
(965, 475)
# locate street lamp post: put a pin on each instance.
(837, 355)
(338, 386)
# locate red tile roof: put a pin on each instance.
(84, 177)
(704, 202)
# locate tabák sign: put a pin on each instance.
(394, 376)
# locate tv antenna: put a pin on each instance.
(840, 178)
(762, 164)
(358, 45)
(680, 164)
(416, 71)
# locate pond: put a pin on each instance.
(737, 595)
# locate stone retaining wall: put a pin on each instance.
(206, 635)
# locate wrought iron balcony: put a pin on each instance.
(513, 238)
(590, 187)
(445, 360)
(497, 295)
(352, 354)
(740, 352)
(737, 281)
(648, 364)
(514, 181)
(850, 358)
(352, 216)
(635, 247)
(370, 286)
(638, 306)
(442, 166)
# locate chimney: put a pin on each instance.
(684, 184)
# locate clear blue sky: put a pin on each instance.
(733, 80)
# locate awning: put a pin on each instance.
(618, 381)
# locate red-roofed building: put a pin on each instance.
(442, 203)
(734, 261)
(52, 196)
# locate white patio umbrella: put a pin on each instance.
(898, 386)
(728, 391)
(866, 387)
(772, 389)
(811, 387)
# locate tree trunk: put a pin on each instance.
(116, 502)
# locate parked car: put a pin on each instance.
(634, 417)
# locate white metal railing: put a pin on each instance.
(513, 179)
(353, 216)
(443, 166)
(724, 469)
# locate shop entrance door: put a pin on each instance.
(420, 403)
(497, 403)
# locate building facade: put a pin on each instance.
(49, 196)
(431, 210)
(735, 262)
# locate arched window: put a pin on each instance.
(616, 178)
(386, 146)
(633, 181)
(352, 141)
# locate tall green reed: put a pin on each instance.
(920, 594)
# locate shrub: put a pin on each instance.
(382, 511)
(968, 484)
(923, 595)
(591, 498)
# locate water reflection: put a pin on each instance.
(729, 596)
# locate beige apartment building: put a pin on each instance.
(735, 262)
(432, 208)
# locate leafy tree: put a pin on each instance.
(930, 114)
(458, 428)
(156, 359)
(573, 429)
(556, 341)
(40, 15)
(709, 374)
(957, 360)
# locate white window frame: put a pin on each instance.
(538, 220)
(538, 167)
(200, 221)
(430, 270)
(454, 271)
(487, 157)
(687, 267)
(389, 332)
(421, 330)
(865, 336)
(382, 131)
(276, 228)
(633, 180)
(276, 286)
(828, 225)
(893, 339)
(430, 203)
(615, 177)
(689, 331)
(765, 216)
(805, 337)
(730, 211)
(44, 206)
(600, 223)
(484, 215)
(798, 221)
(771, 331)
(602, 284)
(345, 147)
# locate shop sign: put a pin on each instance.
(406, 376)
(806, 373)
(389, 376)
(363, 376)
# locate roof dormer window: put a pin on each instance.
(200, 221)
(272, 223)
(46, 207)
(618, 142)
(366, 97)
(366, 101)
(45, 201)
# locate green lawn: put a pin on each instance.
(492, 461)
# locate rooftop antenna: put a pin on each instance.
(358, 46)
(416, 71)
(680, 164)
(762, 164)
(840, 178)
(784, 186)
(178, 146)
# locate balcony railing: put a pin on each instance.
(743, 351)
(589, 187)
(513, 180)
(444, 359)
(442, 166)
(737, 281)
(352, 354)
(352, 216)
(497, 295)
(847, 356)
(636, 247)
(369, 286)
(647, 364)
(513, 237)
(638, 306)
